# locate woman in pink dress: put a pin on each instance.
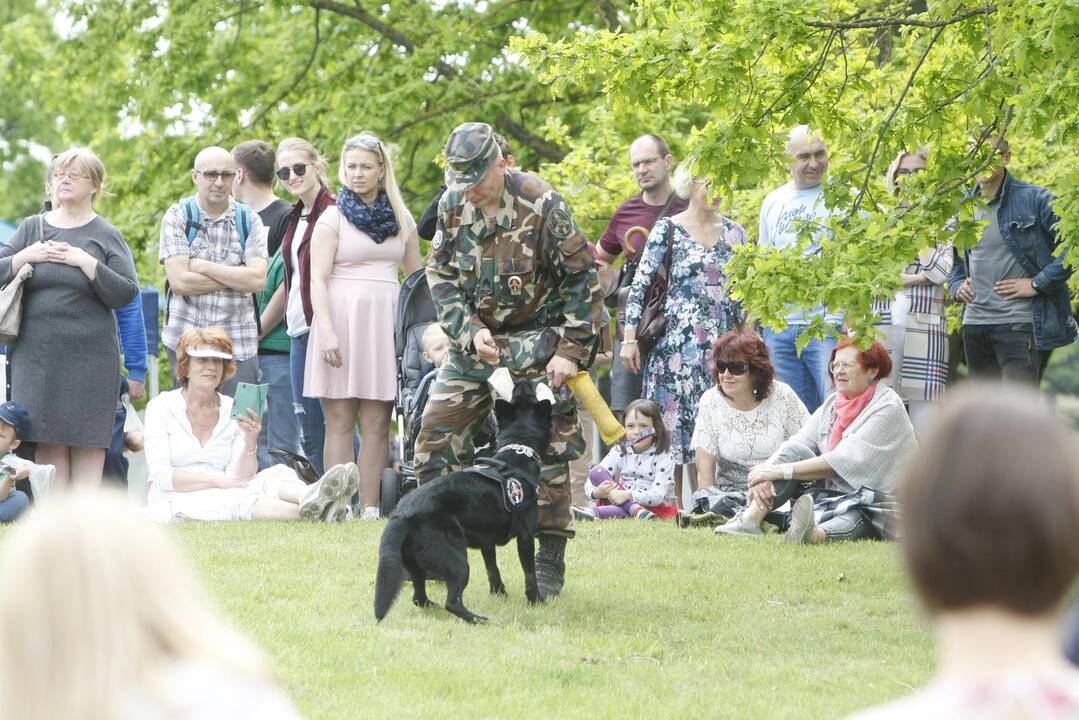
(356, 251)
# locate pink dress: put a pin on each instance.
(363, 292)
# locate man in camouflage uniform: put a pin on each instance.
(515, 285)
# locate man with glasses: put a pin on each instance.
(1013, 283)
(651, 162)
(214, 252)
(515, 286)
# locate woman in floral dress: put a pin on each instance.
(698, 310)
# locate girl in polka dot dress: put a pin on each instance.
(636, 479)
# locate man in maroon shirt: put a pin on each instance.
(651, 162)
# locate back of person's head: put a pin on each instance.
(649, 409)
(257, 159)
(991, 506)
(95, 601)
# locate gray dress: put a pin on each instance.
(65, 365)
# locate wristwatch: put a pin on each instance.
(1034, 284)
(788, 471)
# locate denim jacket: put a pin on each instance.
(1028, 225)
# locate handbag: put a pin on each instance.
(629, 268)
(11, 296)
(653, 323)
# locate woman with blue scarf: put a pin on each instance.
(356, 251)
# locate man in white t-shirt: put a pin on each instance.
(784, 212)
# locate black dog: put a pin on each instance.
(486, 505)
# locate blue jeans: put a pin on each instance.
(309, 417)
(280, 428)
(806, 374)
(13, 506)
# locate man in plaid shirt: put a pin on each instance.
(212, 278)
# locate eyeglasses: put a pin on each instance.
(646, 161)
(299, 168)
(837, 366)
(734, 368)
(213, 175)
(72, 176)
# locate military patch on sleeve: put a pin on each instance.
(560, 223)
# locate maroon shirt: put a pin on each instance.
(323, 200)
(633, 212)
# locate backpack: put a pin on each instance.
(192, 221)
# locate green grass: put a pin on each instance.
(654, 622)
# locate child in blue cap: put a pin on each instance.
(14, 426)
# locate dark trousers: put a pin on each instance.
(1002, 352)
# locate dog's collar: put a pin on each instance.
(520, 450)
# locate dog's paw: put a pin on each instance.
(477, 619)
(498, 590)
(424, 603)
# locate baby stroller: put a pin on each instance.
(415, 376)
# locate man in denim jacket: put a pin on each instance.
(1015, 290)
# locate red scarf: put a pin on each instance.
(846, 409)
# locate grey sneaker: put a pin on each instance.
(321, 495)
(737, 525)
(340, 509)
(550, 565)
(802, 522)
(583, 513)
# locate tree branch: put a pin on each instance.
(881, 22)
(891, 116)
(297, 80)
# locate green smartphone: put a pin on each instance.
(249, 397)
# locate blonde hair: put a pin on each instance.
(361, 141)
(95, 602)
(432, 335)
(683, 178)
(87, 162)
(922, 152)
(310, 153)
(216, 338)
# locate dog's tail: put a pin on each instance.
(391, 571)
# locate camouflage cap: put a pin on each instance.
(470, 150)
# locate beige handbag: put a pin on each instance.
(11, 296)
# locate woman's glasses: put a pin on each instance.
(734, 368)
(299, 168)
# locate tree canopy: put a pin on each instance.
(146, 84)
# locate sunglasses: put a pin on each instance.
(734, 368)
(299, 168)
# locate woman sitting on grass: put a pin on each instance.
(991, 538)
(740, 423)
(201, 463)
(102, 618)
(850, 454)
(636, 479)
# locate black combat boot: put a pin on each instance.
(550, 565)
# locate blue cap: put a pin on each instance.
(17, 416)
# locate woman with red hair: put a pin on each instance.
(740, 423)
(848, 458)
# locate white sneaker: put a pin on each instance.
(322, 494)
(370, 513)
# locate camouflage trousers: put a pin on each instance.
(460, 401)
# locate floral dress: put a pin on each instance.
(698, 311)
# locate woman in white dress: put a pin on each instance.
(201, 463)
(740, 422)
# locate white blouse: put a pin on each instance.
(171, 443)
(741, 439)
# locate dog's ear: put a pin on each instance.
(505, 412)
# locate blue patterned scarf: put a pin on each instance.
(378, 220)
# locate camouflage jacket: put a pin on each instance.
(529, 278)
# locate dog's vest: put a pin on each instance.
(515, 498)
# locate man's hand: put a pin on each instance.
(560, 369)
(965, 293)
(1016, 289)
(135, 389)
(486, 348)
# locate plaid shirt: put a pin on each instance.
(231, 310)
